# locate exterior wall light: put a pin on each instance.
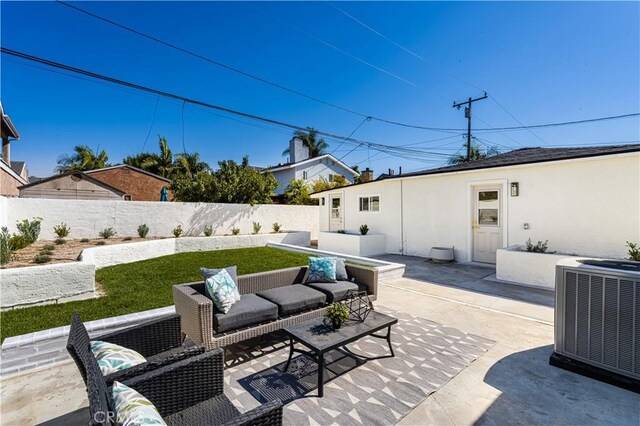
(515, 189)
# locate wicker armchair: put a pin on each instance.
(188, 392)
(158, 340)
(196, 310)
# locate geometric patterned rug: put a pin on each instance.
(377, 391)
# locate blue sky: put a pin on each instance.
(544, 62)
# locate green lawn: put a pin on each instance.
(144, 285)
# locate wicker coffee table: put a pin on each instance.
(321, 338)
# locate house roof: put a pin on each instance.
(82, 175)
(126, 166)
(7, 125)
(17, 166)
(4, 166)
(309, 160)
(519, 157)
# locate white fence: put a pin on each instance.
(88, 217)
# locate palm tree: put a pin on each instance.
(189, 164)
(477, 153)
(160, 164)
(317, 147)
(83, 158)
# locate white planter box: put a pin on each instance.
(534, 269)
(353, 244)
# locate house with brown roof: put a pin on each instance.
(121, 182)
(12, 173)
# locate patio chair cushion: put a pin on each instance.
(334, 291)
(132, 408)
(294, 298)
(322, 270)
(222, 290)
(112, 358)
(249, 310)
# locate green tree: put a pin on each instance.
(323, 184)
(143, 160)
(317, 147)
(231, 183)
(83, 158)
(297, 193)
(165, 164)
(189, 164)
(477, 153)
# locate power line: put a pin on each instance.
(173, 96)
(518, 121)
(351, 134)
(563, 123)
(153, 120)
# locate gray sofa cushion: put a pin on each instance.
(250, 310)
(335, 292)
(294, 298)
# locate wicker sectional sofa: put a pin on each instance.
(270, 301)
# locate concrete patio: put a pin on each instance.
(511, 383)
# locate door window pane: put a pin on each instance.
(335, 203)
(488, 196)
(364, 204)
(488, 217)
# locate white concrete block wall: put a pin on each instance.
(88, 217)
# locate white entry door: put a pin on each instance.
(336, 221)
(487, 223)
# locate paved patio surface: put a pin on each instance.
(512, 383)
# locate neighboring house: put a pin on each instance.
(585, 201)
(137, 184)
(71, 186)
(301, 166)
(12, 173)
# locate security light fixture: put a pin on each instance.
(515, 189)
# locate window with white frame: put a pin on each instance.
(330, 177)
(304, 175)
(370, 203)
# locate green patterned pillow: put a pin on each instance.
(133, 409)
(322, 270)
(222, 290)
(112, 358)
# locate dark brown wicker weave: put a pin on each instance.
(188, 392)
(196, 309)
(158, 340)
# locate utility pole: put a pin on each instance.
(467, 114)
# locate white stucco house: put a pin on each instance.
(585, 201)
(301, 166)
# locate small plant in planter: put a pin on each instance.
(337, 313)
(177, 231)
(143, 230)
(341, 231)
(101, 243)
(84, 240)
(208, 231)
(48, 247)
(46, 252)
(634, 251)
(235, 231)
(107, 233)
(364, 229)
(538, 247)
(60, 241)
(29, 230)
(62, 230)
(256, 227)
(276, 227)
(127, 239)
(42, 258)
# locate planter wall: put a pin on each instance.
(353, 244)
(533, 269)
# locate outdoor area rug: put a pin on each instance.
(378, 391)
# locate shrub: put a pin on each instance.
(18, 242)
(208, 231)
(634, 251)
(127, 239)
(539, 247)
(235, 231)
(84, 240)
(177, 231)
(341, 231)
(256, 227)
(48, 247)
(42, 258)
(100, 243)
(46, 252)
(30, 230)
(364, 229)
(107, 233)
(276, 227)
(60, 241)
(143, 230)
(6, 250)
(61, 230)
